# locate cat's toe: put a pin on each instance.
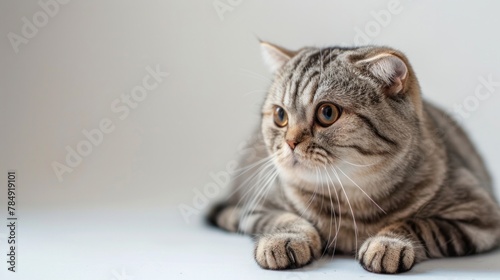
(383, 254)
(283, 251)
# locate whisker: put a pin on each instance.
(266, 188)
(322, 185)
(334, 241)
(318, 173)
(258, 175)
(311, 199)
(255, 91)
(350, 207)
(332, 216)
(251, 203)
(245, 169)
(355, 164)
(253, 74)
(373, 201)
(258, 172)
(260, 195)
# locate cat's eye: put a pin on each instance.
(327, 114)
(280, 116)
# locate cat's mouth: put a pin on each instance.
(294, 160)
(297, 160)
(299, 168)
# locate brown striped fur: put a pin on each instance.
(394, 180)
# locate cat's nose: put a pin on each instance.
(292, 144)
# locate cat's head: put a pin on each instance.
(338, 107)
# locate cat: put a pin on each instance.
(350, 159)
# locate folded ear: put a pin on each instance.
(388, 68)
(274, 56)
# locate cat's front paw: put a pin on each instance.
(284, 250)
(383, 254)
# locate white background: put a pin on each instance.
(118, 209)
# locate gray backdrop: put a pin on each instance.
(140, 105)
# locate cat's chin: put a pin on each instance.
(303, 175)
(317, 173)
(299, 171)
(296, 168)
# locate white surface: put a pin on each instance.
(118, 208)
(150, 245)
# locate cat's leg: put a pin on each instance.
(225, 216)
(398, 247)
(283, 240)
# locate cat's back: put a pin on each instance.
(460, 150)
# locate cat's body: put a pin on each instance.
(352, 160)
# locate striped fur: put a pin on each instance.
(393, 181)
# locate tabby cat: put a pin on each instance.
(350, 159)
